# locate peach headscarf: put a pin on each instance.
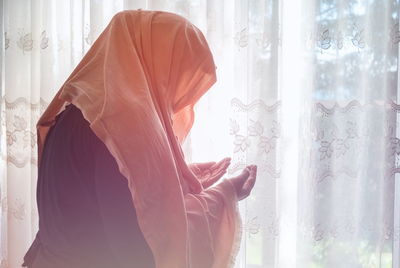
(137, 86)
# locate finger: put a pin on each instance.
(252, 168)
(205, 176)
(205, 165)
(223, 164)
(251, 178)
(242, 178)
(195, 169)
(225, 160)
(253, 172)
(213, 179)
(219, 169)
(217, 175)
(249, 184)
(246, 190)
(226, 164)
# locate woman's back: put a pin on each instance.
(86, 214)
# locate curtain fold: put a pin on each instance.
(307, 90)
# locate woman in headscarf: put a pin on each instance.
(114, 189)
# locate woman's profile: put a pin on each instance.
(114, 189)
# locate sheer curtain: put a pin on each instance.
(307, 90)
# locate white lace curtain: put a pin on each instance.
(307, 90)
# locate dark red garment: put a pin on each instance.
(86, 214)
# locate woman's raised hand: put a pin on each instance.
(210, 172)
(244, 182)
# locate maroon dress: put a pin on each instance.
(86, 215)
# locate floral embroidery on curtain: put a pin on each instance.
(19, 121)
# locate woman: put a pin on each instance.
(114, 189)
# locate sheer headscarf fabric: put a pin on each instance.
(137, 87)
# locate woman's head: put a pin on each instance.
(174, 58)
(192, 69)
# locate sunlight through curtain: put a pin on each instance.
(307, 90)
